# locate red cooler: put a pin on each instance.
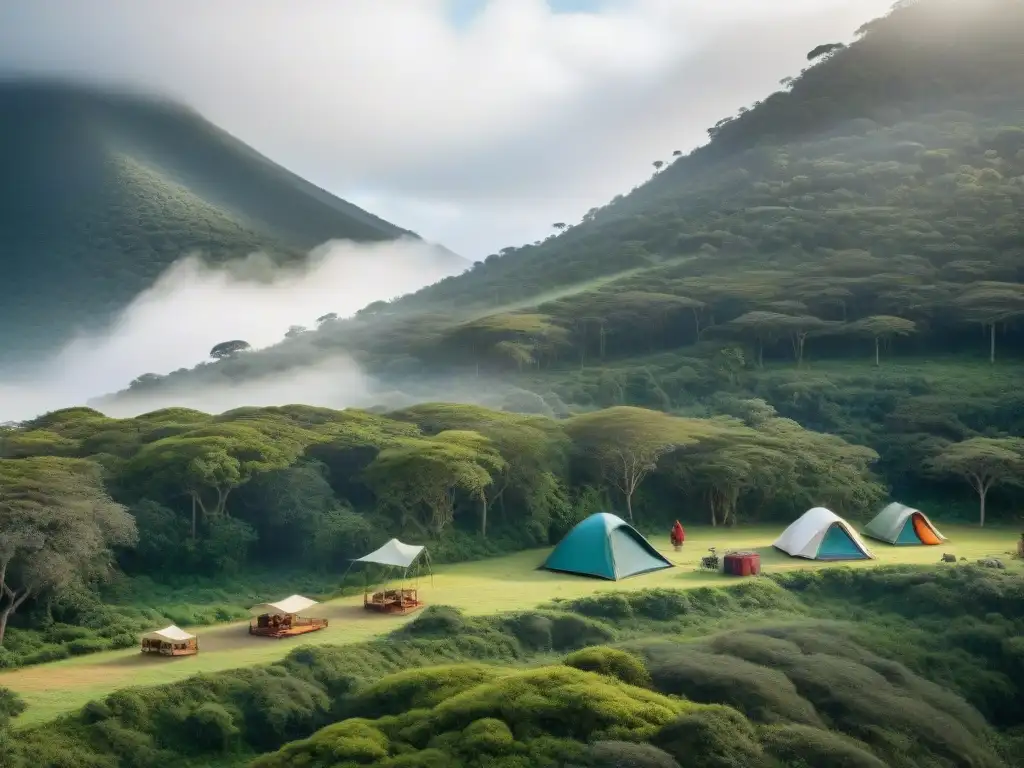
(743, 564)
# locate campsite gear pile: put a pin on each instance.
(742, 564)
(710, 562)
(677, 536)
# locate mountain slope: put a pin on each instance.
(856, 261)
(103, 191)
(879, 200)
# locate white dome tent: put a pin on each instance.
(820, 534)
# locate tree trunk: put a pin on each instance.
(629, 506)
(4, 615)
(193, 517)
(876, 352)
(13, 606)
(981, 505)
(992, 343)
(760, 354)
(483, 515)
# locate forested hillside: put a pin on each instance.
(179, 492)
(850, 250)
(103, 191)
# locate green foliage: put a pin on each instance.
(259, 488)
(611, 662)
(877, 685)
(11, 705)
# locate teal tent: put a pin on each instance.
(607, 547)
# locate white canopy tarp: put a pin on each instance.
(290, 605)
(393, 553)
(804, 536)
(169, 634)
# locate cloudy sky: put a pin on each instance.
(476, 123)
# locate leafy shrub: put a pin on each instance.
(418, 689)
(436, 620)
(763, 694)
(714, 736)
(611, 662)
(569, 632)
(11, 705)
(803, 745)
(532, 630)
(612, 605)
(88, 645)
(624, 754)
(211, 727)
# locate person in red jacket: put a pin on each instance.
(677, 536)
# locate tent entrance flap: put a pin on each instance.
(908, 534)
(837, 545)
(924, 530)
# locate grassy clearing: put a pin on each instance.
(587, 285)
(480, 588)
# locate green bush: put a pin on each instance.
(88, 645)
(211, 728)
(624, 754)
(11, 705)
(611, 662)
(569, 632)
(763, 694)
(532, 630)
(801, 745)
(714, 736)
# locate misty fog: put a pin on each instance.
(194, 306)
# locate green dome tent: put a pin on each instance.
(903, 526)
(606, 547)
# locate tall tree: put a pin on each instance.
(207, 464)
(428, 474)
(992, 304)
(228, 349)
(768, 327)
(882, 328)
(534, 450)
(983, 462)
(626, 443)
(58, 527)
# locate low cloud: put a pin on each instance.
(194, 306)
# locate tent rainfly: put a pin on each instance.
(820, 534)
(287, 607)
(901, 525)
(607, 547)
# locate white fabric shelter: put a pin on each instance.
(803, 538)
(171, 634)
(290, 605)
(393, 553)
